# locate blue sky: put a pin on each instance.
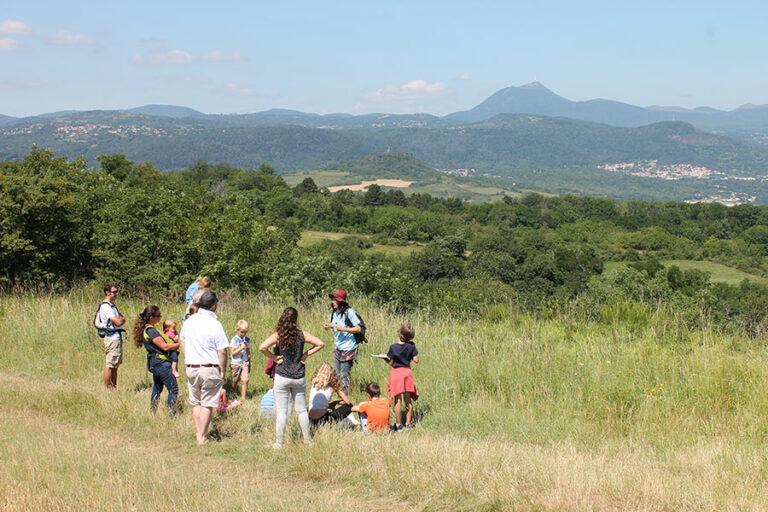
(387, 56)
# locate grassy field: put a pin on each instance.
(718, 273)
(310, 238)
(443, 186)
(519, 413)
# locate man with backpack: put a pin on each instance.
(348, 332)
(108, 322)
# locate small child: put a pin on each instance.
(374, 414)
(267, 404)
(400, 384)
(169, 329)
(241, 357)
(227, 405)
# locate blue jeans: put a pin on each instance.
(162, 376)
(343, 369)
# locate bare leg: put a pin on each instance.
(408, 408)
(110, 377)
(243, 389)
(202, 418)
(398, 412)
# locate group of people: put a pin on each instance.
(207, 353)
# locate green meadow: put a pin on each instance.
(311, 237)
(718, 273)
(518, 413)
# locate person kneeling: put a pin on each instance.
(325, 382)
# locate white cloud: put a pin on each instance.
(414, 96)
(422, 86)
(169, 58)
(14, 27)
(8, 45)
(218, 56)
(465, 76)
(67, 38)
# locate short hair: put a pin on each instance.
(108, 288)
(205, 281)
(373, 390)
(406, 332)
(207, 300)
(242, 325)
(193, 307)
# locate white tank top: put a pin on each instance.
(319, 400)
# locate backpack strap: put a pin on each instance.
(347, 321)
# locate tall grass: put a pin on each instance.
(633, 412)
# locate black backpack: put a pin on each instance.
(360, 337)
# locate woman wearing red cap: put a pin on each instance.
(345, 324)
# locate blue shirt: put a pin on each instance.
(241, 357)
(268, 400)
(192, 289)
(401, 354)
(344, 340)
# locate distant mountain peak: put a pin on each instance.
(749, 106)
(535, 85)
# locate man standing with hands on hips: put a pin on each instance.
(205, 354)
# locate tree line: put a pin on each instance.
(62, 222)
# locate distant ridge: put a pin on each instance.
(165, 111)
(749, 121)
(5, 120)
(536, 99)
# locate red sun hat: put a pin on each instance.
(338, 295)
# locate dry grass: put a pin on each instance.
(521, 414)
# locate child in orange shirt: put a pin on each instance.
(376, 409)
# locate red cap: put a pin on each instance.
(338, 295)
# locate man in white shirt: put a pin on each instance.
(205, 354)
(109, 320)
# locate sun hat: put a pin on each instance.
(338, 295)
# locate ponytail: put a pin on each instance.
(141, 323)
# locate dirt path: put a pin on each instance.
(63, 463)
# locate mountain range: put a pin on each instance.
(533, 98)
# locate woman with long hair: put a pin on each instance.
(290, 385)
(158, 347)
(325, 382)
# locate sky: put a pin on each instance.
(388, 56)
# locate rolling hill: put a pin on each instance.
(498, 145)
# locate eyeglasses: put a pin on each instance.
(114, 291)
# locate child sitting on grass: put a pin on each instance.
(169, 329)
(241, 358)
(374, 414)
(325, 382)
(400, 384)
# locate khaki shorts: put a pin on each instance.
(113, 350)
(205, 385)
(241, 371)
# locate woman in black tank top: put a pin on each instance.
(290, 385)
